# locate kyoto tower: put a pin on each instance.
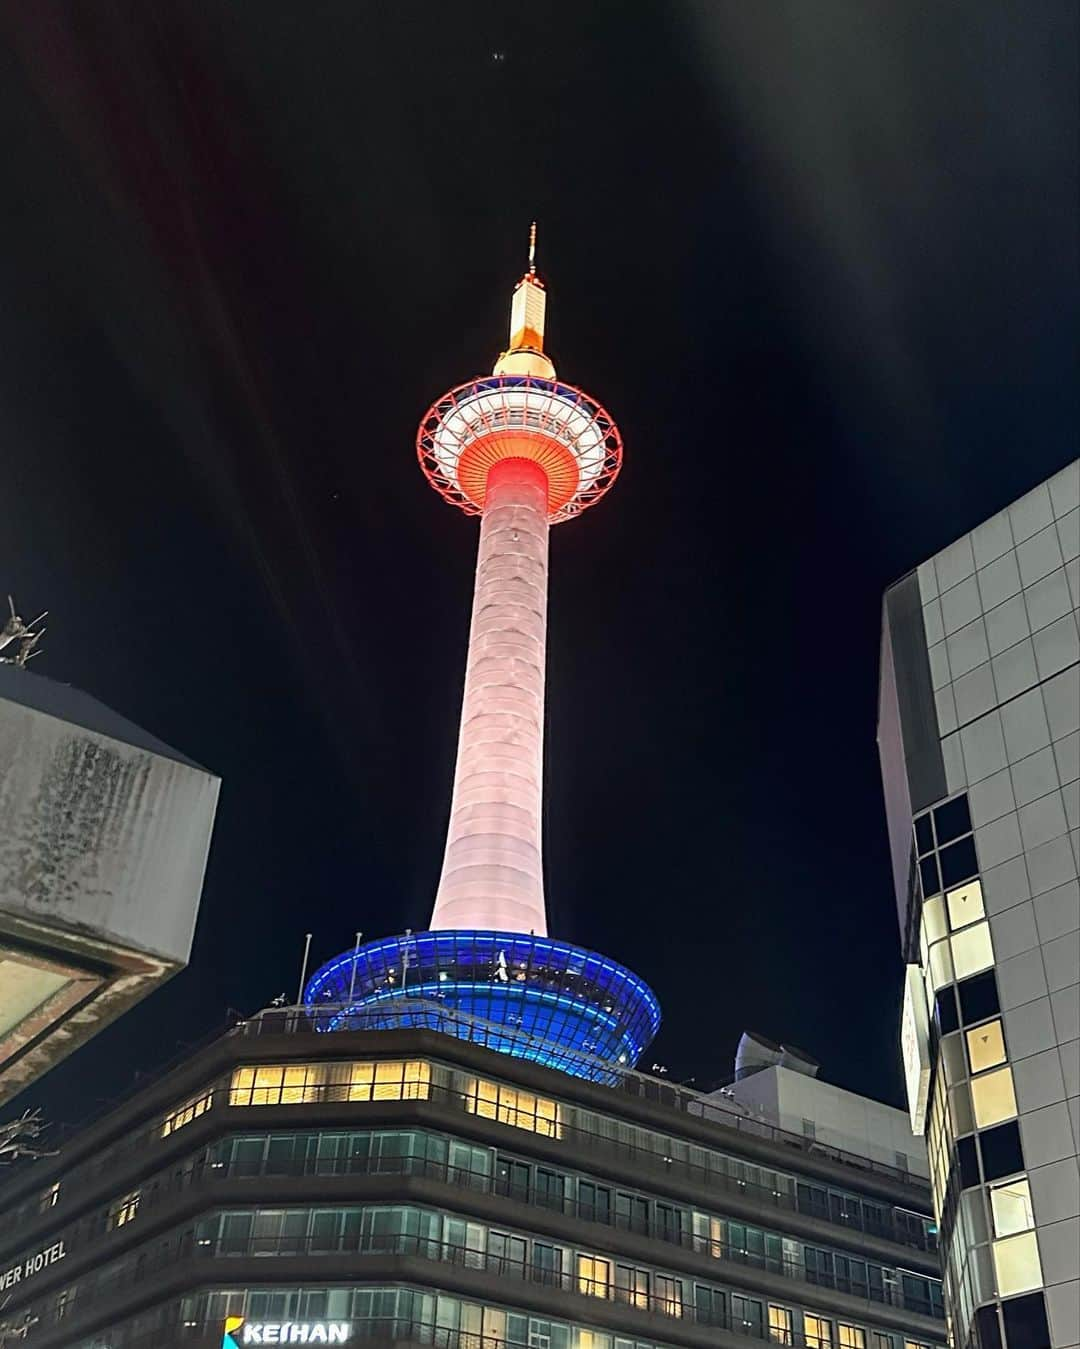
(523, 451)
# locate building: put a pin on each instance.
(979, 723)
(104, 834)
(411, 1186)
(523, 450)
(781, 1084)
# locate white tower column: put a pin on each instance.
(492, 876)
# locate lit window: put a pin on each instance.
(390, 1080)
(124, 1209)
(594, 1276)
(818, 1332)
(915, 1344)
(965, 904)
(780, 1327)
(522, 1109)
(972, 950)
(993, 1097)
(851, 1337)
(986, 1046)
(941, 966)
(1016, 1264)
(632, 1286)
(302, 1083)
(276, 1084)
(1011, 1205)
(933, 919)
(185, 1113)
(667, 1295)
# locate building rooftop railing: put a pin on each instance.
(641, 1086)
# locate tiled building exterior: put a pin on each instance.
(979, 725)
(283, 1186)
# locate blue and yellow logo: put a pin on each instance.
(229, 1340)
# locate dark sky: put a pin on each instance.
(819, 260)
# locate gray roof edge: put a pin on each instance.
(69, 704)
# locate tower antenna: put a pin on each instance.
(532, 249)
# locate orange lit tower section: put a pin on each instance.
(523, 450)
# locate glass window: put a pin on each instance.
(780, 1327)
(710, 1305)
(508, 1105)
(390, 1080)
(933, 919)
(185, 1113)
(1016, 1264)
(124, 1209)
(594, 1276)
(667, 1295)
(1010, 1204)
(550, 1189)
(851, 1337)
(986, 1046)
(941, 965)
(979, 998)
(924, 835)
(631, 1212)
(965, 904)
(972, 950)
(993, 1098)
(594, 1202)
(958, 862)
(746, 1312)
(928, 875)
(1025, 1322)
(1001, 1151)
(952, 820)
(818, 1332)
(632, 1286)
(669, 1222)
(945, 1010)
(881, 1340)
(512, 1178)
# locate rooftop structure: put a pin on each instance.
(104, 834)
(524, 451)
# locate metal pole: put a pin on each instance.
(303, 969)
(352, 977)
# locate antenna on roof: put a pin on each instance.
(532, 249)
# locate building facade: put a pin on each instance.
(283, 1186)
(979, 725)
(104, 835)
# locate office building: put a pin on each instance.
(416, 1187)
(104, 834)
(979, 723)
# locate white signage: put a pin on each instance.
(33, 1264)
(293, 1332)
(915, 1047)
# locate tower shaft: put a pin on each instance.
(492, 876)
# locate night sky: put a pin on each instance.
(819, 260)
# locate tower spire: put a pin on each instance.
(528, 308)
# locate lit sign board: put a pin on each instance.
(239, 1331)
(33, 1264)
(915, 1047)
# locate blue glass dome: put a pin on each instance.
(531, 997)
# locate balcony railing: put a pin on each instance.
(191, 1247)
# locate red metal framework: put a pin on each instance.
(496, 417)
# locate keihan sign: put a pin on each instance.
(238, 1331)
(33, 1264)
